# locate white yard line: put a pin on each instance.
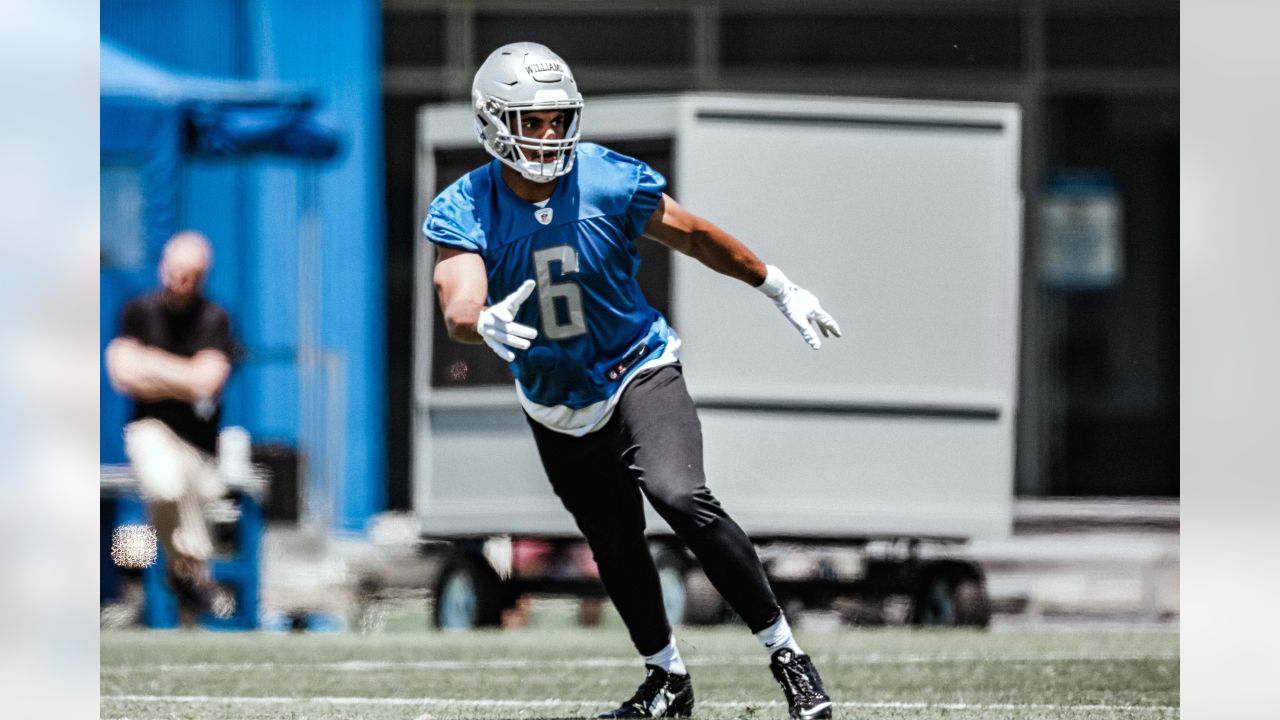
(344, 716)
(609, 662)
(554, 702)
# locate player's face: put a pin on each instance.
(540, 125)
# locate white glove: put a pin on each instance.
(799, 306)
(497, 325)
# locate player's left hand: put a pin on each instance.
(799, 306)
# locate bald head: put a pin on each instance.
(183, 266)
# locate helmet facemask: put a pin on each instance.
(494, 128)
(517, 79)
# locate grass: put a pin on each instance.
(555, 670)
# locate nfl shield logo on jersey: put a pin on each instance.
(544, 215)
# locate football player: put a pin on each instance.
(536, 257)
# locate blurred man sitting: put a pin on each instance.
(172, 357)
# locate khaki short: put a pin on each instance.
(169, 469)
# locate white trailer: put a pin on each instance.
(905, 218)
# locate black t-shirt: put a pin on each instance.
(202, 326)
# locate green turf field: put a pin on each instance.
(563, 672)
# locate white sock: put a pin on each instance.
(777, 636)
(668, 658)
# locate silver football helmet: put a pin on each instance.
(520, 78)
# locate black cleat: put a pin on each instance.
(802, 685)
(662, 694)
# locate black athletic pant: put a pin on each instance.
(652, 445)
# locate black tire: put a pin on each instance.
(951, 597)
(467, 594)
(973, 604)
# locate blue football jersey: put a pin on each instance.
(595, 327)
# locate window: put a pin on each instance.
(1111, 41)
(899, 41)
(623, 39)
(120, 217)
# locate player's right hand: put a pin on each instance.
(497, 325)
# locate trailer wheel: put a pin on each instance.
(468, 594)
(952, 597)
(672, 566)
(973, 604)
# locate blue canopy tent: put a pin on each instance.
(154, 121)
(156, 116)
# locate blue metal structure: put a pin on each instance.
(245, 90)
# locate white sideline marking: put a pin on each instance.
(611, 662)
(424, 716)
(553, 702)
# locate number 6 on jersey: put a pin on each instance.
(548, 292)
